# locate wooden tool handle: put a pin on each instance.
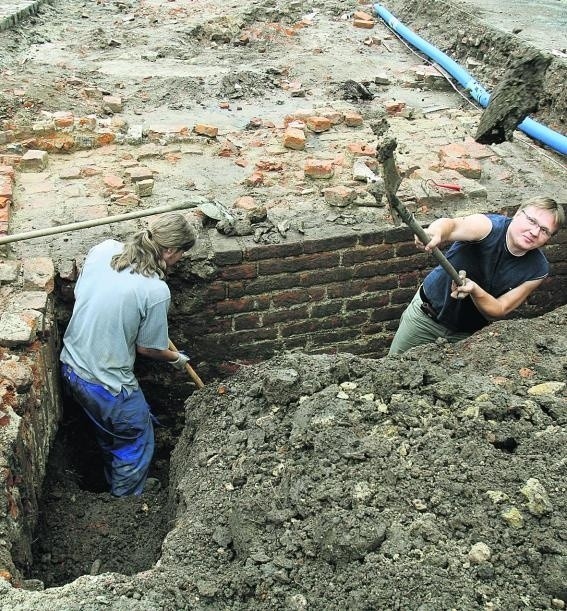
(190, 370)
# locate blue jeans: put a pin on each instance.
(123, 429)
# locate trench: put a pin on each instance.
(83, 530)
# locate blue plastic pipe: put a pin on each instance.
(535, 130)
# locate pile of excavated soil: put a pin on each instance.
(434, 480)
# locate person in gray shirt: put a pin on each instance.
(121, 305)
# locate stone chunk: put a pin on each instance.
(112, 103)
(536, 495)
(546, 388)
(39, 274)
(479, 553)
(513, 517)
(19, 328)
(34, 161)
(144, 188)
(9, 271)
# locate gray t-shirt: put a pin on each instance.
(114, 312)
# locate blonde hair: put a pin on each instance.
(143, 252)
(546, 203)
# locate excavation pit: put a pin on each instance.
(82, 529)
(323, 294)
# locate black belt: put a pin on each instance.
(426, 306)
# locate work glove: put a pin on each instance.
(180, 362)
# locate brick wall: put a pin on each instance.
(339, 292)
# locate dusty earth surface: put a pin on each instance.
(243, 67)
(432, 481)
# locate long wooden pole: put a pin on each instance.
(39, 233)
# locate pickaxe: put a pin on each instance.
(392, 180)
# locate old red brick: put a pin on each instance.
(7, 170)
(455, 149)
(113, 181)
(290, 298)
(469, 168)
(353, 119)
(90, 170)
(361, 148)
(268, 165)
(63, 119)
(294, 139)
(339, 195)
(393, 107)
(363, 15)
(206, 130)
(318, 168)
(318, 124)
(246, 202)
(105, 137)
(255, 179)
(5, 187)
(363, 23)
(238, 272)
(476, 150)
(138, 173)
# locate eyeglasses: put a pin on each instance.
(531, 221)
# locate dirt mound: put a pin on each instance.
(430, 481)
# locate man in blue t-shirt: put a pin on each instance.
(503, 263)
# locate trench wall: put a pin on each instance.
(30, 412)
(339, 292)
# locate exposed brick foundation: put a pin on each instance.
(335, 293)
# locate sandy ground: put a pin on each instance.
(430, 482)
